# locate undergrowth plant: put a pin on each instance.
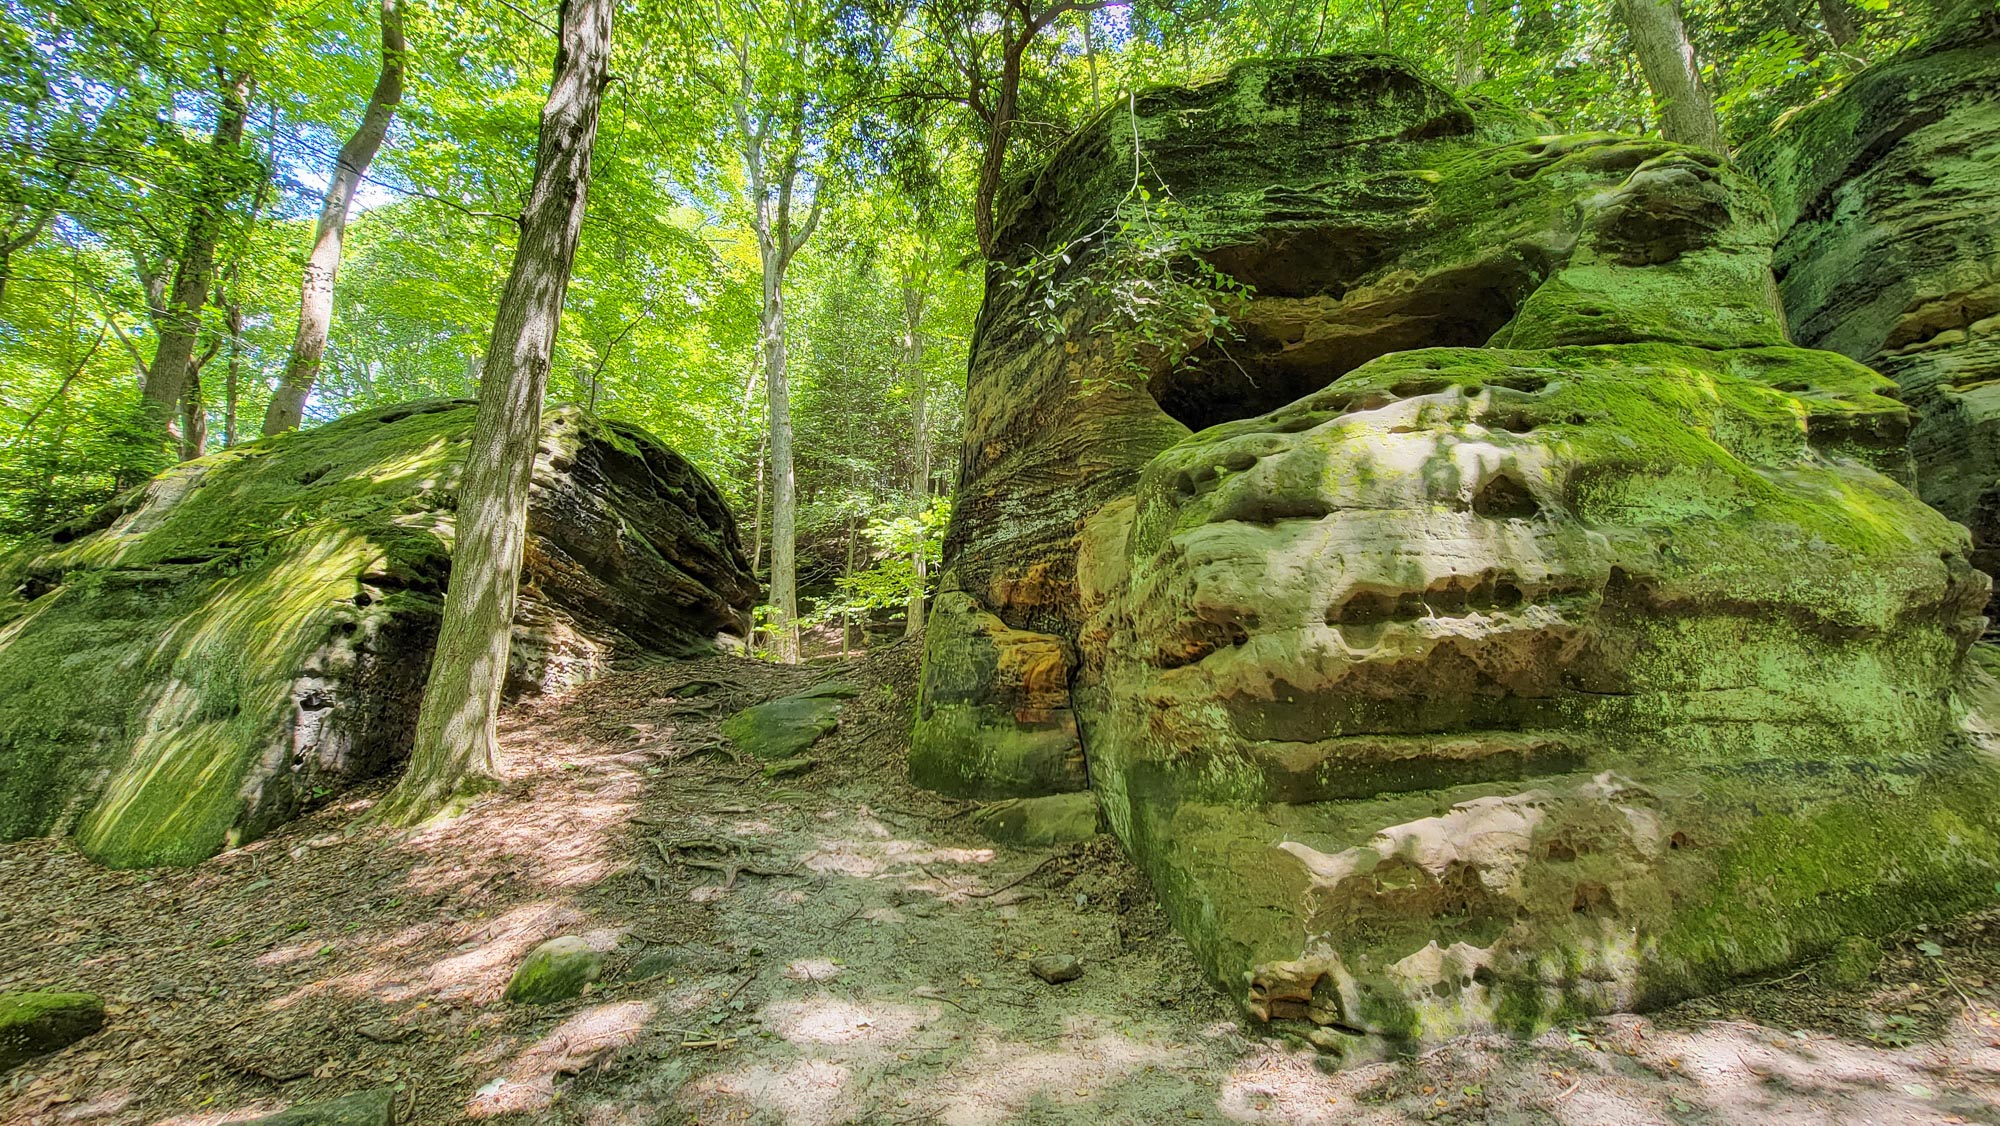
(1143, 266)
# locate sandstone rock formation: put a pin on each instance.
(1889, 210)
(1507, 622)
(250, 632)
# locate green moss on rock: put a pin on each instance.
(248, 632)
(783, 728)
(557, 970)
(364, 1108)
(35, 1024)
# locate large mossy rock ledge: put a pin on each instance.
(250, 632)
(1508, 625)
(1888, 203)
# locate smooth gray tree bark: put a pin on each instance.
(1687, 113)
(288, 401)
(174, 366)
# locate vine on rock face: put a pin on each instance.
(1161, 298)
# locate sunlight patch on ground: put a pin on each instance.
(806, 1092)
(1737, 1070)
(830, 1020)
(866, 859)
(485, 959)
(1284, 1087)
(812, 971)
(530, 1083)
(1002, 1077)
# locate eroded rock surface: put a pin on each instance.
(250, 632)
(1889, 207)
(1528, 630)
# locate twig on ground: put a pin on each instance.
(929, 994)
(1022, 878)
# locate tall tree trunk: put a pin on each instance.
(1841, 25)
(232, 380)
(757, 520)
(771, 190)
(846, 627)
(288, 402)
(999, 130)
(1469, 54)
(454, 752)
(180, 323)
(1687, 115)
(916, 292)
(784, 599)
(1090, 54)
(194, 419)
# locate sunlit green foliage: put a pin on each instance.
(106, 107)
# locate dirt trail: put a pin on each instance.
(866, 962)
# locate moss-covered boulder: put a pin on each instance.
(35, 1024)
(364, 1108)
(557, 970)
(250, 632)
(1370, 213)
(784, 728)
(993, 714)
(1489, 686)
(1506, 623)
(1886, 197)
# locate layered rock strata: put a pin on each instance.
(1888, 206)
(1504, 621)
(250, 632)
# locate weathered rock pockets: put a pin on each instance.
(249, 633)
(1529, 629)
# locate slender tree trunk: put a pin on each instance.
(1841, 26)
(232, 380)
(1090, 54)
(846, 628)
(194, 419)
(757, 520)
(1687, 114)
(1469, 55)
(180, 323)
(916, 291)
(1000, 128)
(454, 752)
(288, 401)
(777, 242)
(784, 598)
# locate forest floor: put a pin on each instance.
(865, 962)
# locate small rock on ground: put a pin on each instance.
(557, 970)
(782, 728)
(365, 1108)
(34, 1024)
(1056, 968)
